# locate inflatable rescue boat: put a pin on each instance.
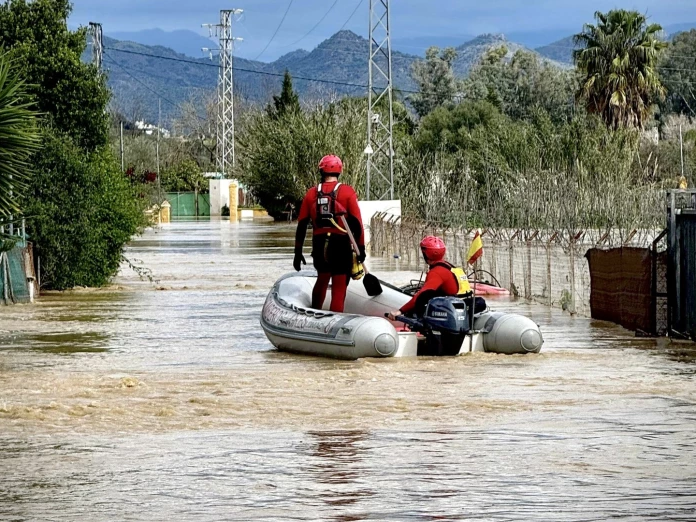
(292, 325)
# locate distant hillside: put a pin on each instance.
(470, 53)
(341, 58)
(184, 42)
(562, 50)
(419, 44)
(138, 80)
(674, 29)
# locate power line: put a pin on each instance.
(255, 64)
(252, 71)
(352, 14)
(315, 25)
(141, 82)
(276, 31)
(183, 60)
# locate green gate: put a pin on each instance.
(13, 279)
(188, 204)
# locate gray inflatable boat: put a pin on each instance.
(362, 331)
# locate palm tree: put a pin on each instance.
(19, 137)
(617, 60)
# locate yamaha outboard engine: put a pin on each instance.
(445, 325)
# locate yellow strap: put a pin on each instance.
(337, 226)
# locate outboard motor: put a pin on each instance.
(444, 325)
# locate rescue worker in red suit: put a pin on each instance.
(331, 248)
(443, 279)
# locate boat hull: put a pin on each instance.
(292, 325)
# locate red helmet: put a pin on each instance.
(331, 165)
(433, 249)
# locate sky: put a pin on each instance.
(410, 18)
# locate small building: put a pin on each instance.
(150, 129)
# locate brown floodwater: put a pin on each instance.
(162, 399)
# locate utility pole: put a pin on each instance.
(681, 149)
(225, 116)
(123, 165)
(380, 116)
(95, 31)
(159, 123)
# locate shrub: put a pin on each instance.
(81, 212)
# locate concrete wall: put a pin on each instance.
(369, 208)
(219, 195)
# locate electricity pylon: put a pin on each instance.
(95, 31)
(380, 117)
(225, 116)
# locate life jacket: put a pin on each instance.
(460, 276)
(326, 207)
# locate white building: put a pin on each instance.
(150, 129)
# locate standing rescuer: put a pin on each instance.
(443, 279)
(331, 249)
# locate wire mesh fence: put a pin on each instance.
(547, 266)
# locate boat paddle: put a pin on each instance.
(372, 285)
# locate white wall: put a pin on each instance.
(219, 195)
(370, 208)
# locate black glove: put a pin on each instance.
(361, 255)
(299, 258)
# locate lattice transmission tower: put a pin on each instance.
(380, 117)
(225, 113)
(95, 32)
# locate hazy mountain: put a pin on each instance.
(290, 58)
(470, 53)
(138, 80)
(534, 39)
(183, 42)
(341, 58)
(673, 29)
(562, 50)
(419, 44)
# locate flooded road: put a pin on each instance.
(162, 399)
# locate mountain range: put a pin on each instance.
(562, 50)
(182, 41)
(141, 73)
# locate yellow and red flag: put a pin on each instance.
(476, 248)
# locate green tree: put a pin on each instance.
(435, 80)
(70, 93)
(617, 61)
(521, 86)
(185, 176)
(288, 101)
(277, 157)
(449, 128)
(82, 213)
(81, 209)
(19, 137)
(678, 73)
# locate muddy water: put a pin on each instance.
(163, 399)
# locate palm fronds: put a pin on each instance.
(19, 137)
(618, 58)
